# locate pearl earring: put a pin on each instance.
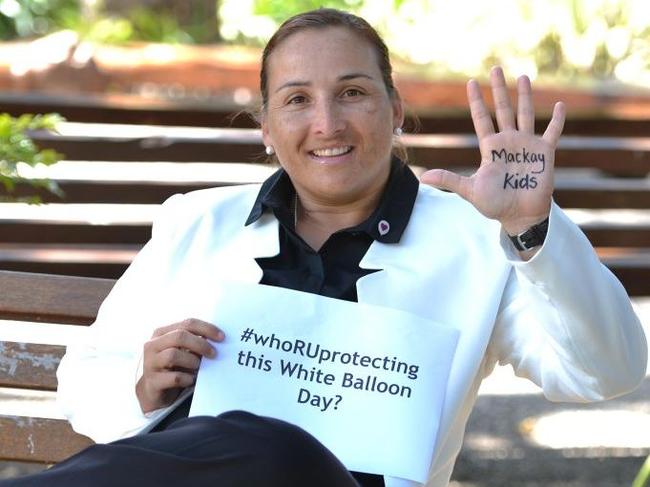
(398, 131)
(269, 150)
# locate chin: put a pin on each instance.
(340, 191)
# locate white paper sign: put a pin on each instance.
(368, 382)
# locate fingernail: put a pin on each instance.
(220, 336)
(213, 353)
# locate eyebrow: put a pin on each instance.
(345, 77)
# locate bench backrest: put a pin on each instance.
(29, 298)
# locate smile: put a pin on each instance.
(332, 151)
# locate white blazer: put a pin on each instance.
(560, 319)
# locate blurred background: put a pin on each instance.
(189, 62)
(598, 45)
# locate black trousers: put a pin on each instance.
(234, 449)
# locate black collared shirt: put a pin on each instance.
(333, 270)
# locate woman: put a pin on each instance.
(345, 219)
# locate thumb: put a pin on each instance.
(447, 180)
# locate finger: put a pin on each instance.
(525, 110)
(449, 181)
(503, 109)
(172, 379)
(184, 339)
(480, 114)
(555, 126)
(195, 326)
(175, 358)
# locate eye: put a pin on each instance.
(352, 92)
(296, 100)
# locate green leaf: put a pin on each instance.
(643, 477)
(17, 146)
(48, 157)
(8, 182)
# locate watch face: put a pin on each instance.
(519, 242)
(531, 241)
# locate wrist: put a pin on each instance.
(145, 404)
(530, 238)
(520, 225)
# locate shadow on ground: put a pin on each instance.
(498, 453)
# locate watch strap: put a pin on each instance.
(532, 237)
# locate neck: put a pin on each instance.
(317, 220)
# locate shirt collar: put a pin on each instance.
(386, 224)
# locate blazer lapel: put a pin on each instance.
(430, 278)
(260, 239)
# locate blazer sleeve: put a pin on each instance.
(97, 377)
(566, 322)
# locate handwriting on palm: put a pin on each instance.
(514, 181)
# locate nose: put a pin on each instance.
(328, 119)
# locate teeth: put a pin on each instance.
(334, 151)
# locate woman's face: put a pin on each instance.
(329, 116)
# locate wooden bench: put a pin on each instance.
(31, 299)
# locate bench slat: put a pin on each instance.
(38, 439)
(60, 299)
(631, 266)
(52, 232)
(135, 109)
(24, 231)
(622, 156)
(97, 270)
(82, 107)
(29, 366)
(603, 193)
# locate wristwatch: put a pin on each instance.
(532, 237)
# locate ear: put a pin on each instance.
(398, 110)
(266, 138)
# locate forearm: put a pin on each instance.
(568, 324)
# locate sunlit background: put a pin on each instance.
(578, 42)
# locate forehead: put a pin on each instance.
(318, 53)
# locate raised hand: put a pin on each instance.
(171, 360)
(514, 182)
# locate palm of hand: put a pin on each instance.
(515, 178)
(514, 182)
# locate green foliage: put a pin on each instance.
(160, 27)
(280, 10)
(26, 18)
(643, 477)
(17, 147)
(107, 30)
(548, 55)
(141, 24)
(568, 40)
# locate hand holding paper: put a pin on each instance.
(171, 360)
